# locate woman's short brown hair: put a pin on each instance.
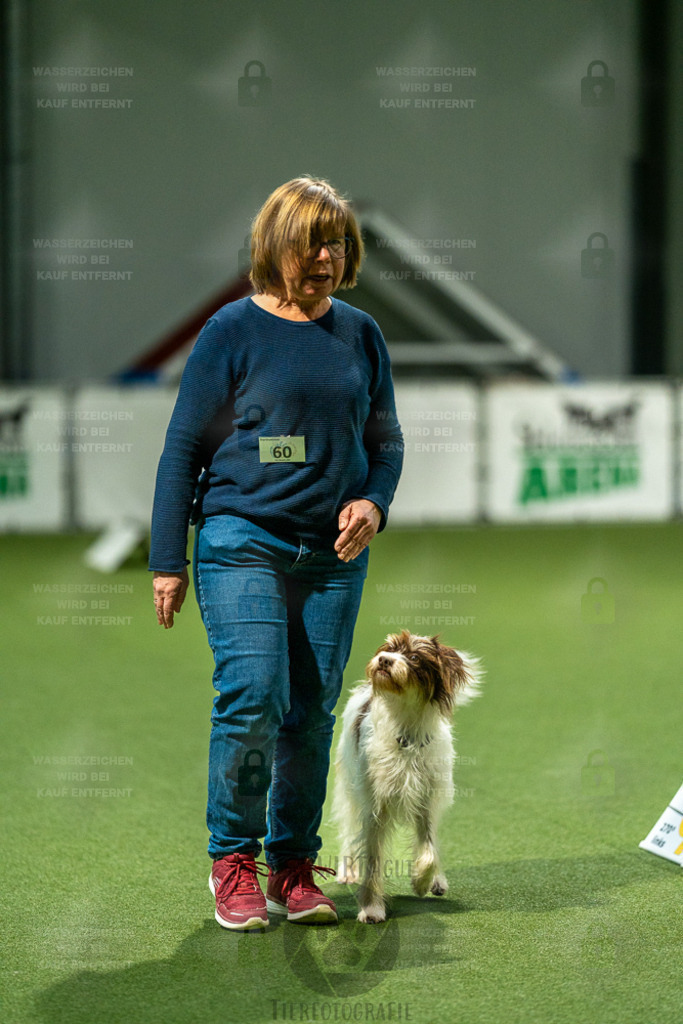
(302, 212)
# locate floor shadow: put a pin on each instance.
(217, 977)
(524, 886)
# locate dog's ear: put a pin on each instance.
(460, 677)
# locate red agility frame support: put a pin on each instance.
(150, 362)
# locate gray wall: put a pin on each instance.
(674, 266)
(527, 172)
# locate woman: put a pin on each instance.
(287, 404)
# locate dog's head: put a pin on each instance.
(438, 673)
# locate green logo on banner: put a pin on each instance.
(14, 478)
(550, 476)
(591, 454)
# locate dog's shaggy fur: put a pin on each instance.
(395, 761)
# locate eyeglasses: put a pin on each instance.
(338, 248)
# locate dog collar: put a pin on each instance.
(405, 741)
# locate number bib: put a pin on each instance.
(282, 449)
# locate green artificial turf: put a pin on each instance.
(553, 915)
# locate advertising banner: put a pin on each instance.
(440, 470)
(33, 459)
(601, 452)
(583, 452)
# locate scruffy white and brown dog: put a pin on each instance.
(395, 761)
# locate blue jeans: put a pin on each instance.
(279, 614)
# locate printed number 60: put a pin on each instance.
(282, 451)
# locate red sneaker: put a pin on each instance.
(240, 903)
(292, 891)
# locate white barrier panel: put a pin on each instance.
(121, 434)
(33, 454)
(589, 452)
(439, 479)
(118, 437)
(585, 452)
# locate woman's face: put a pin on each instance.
(314, 277)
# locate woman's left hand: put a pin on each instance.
(358, 523)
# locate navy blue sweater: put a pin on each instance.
(253, 374)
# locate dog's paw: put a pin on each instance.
(439, 886)
(422, 882)
(373, 914)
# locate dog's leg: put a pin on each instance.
(346, 815)
(371, 892)
(427, 874)
(348, 873)
(348, 819)
(347, 823)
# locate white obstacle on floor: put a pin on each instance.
(666, 838)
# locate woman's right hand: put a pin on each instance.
(169, 593)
